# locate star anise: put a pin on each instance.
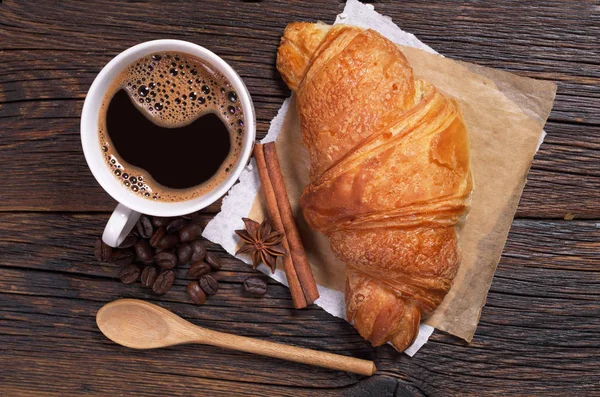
(261, 242)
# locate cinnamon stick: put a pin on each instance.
(275, 217)
(297, 252)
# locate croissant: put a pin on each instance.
(390, 174)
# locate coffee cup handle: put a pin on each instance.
(122, 220)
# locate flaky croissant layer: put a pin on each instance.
(390, 173)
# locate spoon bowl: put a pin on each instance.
(138, 324)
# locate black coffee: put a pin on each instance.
(177, 158)
(171, 127)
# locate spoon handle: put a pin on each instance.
(288, 352)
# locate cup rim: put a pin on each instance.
(91, 143)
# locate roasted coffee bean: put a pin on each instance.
(166, 260)
(168, 241)
(143, 251)
(195, 292)
(198, 246)
(190, 232)
(148, 277)
(176, 225)
(102, 252)
(197, 257)
(159, 221)
(144, 227)
(129, 241)
(188, 216)
(209, 285)
(122, 257)
(199, 252)
(255, 286)
(184, 253)
(213, 260)
(157, 236)
(198, 269)
(129, 274)
(163, 282)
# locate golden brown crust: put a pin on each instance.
(299, 41)
(390, 173)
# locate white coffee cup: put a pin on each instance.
(131, 205)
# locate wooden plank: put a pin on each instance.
(50, 59)
(507, 38)
(538, 332)
(564, 176)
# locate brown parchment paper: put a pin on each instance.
(505, 115)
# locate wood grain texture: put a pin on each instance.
(50, 59)
(539, 332)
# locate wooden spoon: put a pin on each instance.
(142, 325)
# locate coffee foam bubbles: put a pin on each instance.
(173, 90)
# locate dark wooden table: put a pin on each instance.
(539, 332)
